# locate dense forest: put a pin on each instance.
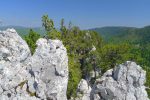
(90, 51)
(122, 34)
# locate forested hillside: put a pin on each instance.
(87, 50)
(108, 32)
(137, 37)
(122, 34)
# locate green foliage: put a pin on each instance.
(114, 54)
(47, 23)
(31, 39)
(147, 84)
(54, 34)
(79, 45)
(108, 32)
(63, 29)
(74, 76)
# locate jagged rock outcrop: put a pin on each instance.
(43, 76)
(124, 82)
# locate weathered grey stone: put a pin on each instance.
(24, 77)
(44, 76)
(124, 82)
(83, 91)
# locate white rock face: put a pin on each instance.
(43, 76)
(83, 91)
(124, 82)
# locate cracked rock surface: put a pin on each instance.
(124, 82)
(43, 76)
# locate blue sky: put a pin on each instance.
(84, 13)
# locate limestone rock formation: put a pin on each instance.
(83, 91)
(124, 82)
(43, 76)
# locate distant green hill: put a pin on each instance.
(121, 34)
(24, 30)
(109, 32)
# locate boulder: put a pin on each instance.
(43, 76)
(83, 91)
(124, 82)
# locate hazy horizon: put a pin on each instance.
(85, 14)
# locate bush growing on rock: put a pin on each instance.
(31, 39)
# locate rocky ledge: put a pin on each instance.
(43, 76)
(124, 82)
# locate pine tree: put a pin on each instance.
(31, 39)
